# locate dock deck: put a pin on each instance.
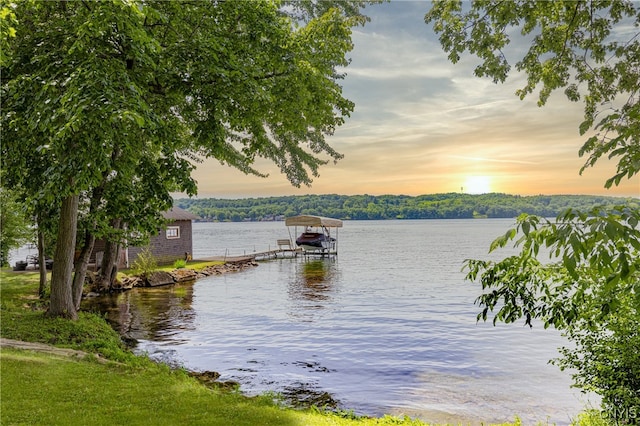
(285, 249)
(279, 253)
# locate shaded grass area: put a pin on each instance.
(41, 388)
(22, 318)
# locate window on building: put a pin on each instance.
(173, 232)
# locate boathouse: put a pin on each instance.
(171, 243)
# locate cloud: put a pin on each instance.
(423, 125)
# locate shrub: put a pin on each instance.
(145, 263)
(606, 361)
(180, 264)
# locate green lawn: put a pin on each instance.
(42, 389)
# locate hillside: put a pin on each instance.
(365, 207)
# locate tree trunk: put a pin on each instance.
(82, 262)
(61, 304)
(109, 268)
(81, 265)
(42, 262)
(4, 256)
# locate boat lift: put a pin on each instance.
(322, 226)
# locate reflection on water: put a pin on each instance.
(388, 330)
(312, 287)
(159, 314)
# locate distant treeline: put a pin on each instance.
(363, 207)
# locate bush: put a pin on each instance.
(144, 264)
(607, 361)
(590, 418)
(180, 264)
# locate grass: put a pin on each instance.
(196, 265)
(45, 389)
(39, 388)
(22, 318)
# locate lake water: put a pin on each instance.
(389, 326)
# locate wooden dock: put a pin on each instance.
(258, 255)
(270, 254)
(289, 253)
(279, 253)
(285, 250)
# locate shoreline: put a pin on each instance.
(160, 277)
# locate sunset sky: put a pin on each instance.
(423, 125)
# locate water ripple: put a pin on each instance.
(389, 329)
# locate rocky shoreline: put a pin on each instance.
(161, 278)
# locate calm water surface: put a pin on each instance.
(387, 327)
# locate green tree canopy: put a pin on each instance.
(590, 284)
(119, 100)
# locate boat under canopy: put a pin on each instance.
(314, 241)
(316, 238)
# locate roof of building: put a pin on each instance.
(176, 213)
(306, 220)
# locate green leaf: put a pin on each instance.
(570, 264)
(576, 244)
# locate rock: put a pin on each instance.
(182, 275)
(137, 281)
(127, 283)
(158, 278)
(212, 270)
(205, 376)
(210, 379)
(304, 395)
(129, 341)
(228, 267)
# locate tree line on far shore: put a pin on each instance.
(372, 207)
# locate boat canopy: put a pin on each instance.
(306, 220)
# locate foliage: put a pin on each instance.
(606, 360)
(363, 207)
(180, 264)
(15, 226)
(590, 418)
(196, 265)
(115, 102)
(7, 30)
(594, 262)
(590, 288)
(144, 264)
